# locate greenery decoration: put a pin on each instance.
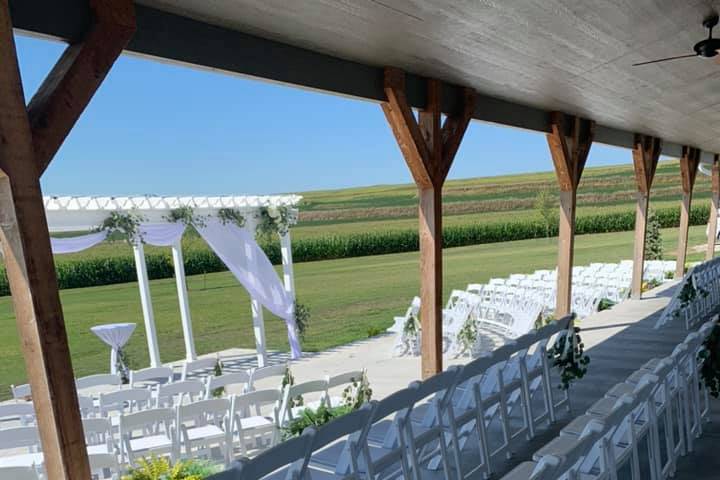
(123, 366)
(653, 238)
(572, 362)
(468, 335)
(185, 215)
(275, 220)
(605, 304)
(160, 468)
(128, 224)
(217, 371)
(709, 359)
(232, 216)
(374, 331)
(687, 295)
(358, 392)
(289, 380)
(302, 318)
(313, 418)
(650, 284)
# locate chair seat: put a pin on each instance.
(99, 449)
(559, 446)
(205, 432)
(255, 422)
(22, 460)
(521, 472)
(151, 442)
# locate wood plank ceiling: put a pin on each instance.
(569, 55)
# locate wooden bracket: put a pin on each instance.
(569, 154)
(428, 148)
(689, 162)
(645, 154)
(71, 84)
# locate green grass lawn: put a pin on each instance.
(346, 298)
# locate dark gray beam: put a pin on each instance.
(180, 39)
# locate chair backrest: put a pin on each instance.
(97, 430)
(173, 393)
(351, 425)
(102, 463)
(344, 378)
(19, 473)
(252, 403)
(130, 399)
(150, 376)
(204, 365)
(20, 392)
(270, 371)
(223, 381)
(139, 420)
(24, 411)
(98, 381)
(87, 406)
(293, 453)
(204, 410)
(18, 437)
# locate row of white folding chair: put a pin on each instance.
(412, 429)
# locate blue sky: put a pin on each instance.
(155, 128)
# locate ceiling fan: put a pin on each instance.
(707, 48)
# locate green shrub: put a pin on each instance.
(91, 271)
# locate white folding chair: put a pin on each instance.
(100, 380)
(238, 380)
(263, 373)
(150, 432)
(203, 425)
(122, 401)
(24, 446)
(22, 412)
(175, 393)
(104, 466)
(341, 380)
(255, 419)
(21, 392)
(150, 376)
(287, 461)
(19, 473)
(295, 398)
(202, 367)
(99, 436)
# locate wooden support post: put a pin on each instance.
(569, 156)
(689, 162)
(714, 205)
(24, 230)
(429, 149)
(645, 154)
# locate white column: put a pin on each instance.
(287, 263)
(185, 317)
(146, 301)
(259, 331)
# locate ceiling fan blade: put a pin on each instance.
(665, 59)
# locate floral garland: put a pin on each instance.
(467, 335)
(275, 220)
(709, 359)
(185, 215)
(687, 295)
(569, 357)
(126, 223)
(232, 216)
(358, 392)
(302, 318)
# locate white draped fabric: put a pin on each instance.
(238, 249)
(77, 244)
(161, 234)
(115, 335)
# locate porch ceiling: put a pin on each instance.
(526, 57)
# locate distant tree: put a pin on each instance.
(546, 206)
(653, 238)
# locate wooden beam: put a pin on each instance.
(569, 156)
(26, 241)
(71, 84)
(429, 150)
(714, 206)
(645, 155)
(689, 162)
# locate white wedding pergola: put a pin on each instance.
(83, 213)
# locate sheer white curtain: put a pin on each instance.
(161, 234)
(238, 249)
(77, 244)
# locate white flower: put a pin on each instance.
(273, 212)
